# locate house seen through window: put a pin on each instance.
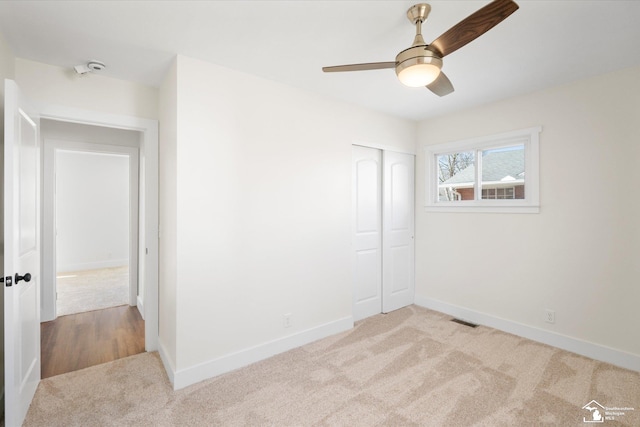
(501, 174)
(499, 171)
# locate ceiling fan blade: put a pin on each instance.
(473, 26)
(441, 86)
(359, 67)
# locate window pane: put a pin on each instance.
(503, 173)
(456, 176)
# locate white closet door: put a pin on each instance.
(398, 260)
(367, 232)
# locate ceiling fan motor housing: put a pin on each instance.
(421, 54)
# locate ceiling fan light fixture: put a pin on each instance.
(418, 75)
(419, 69)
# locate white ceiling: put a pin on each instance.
(544, 43)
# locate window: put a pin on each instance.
(497, 173)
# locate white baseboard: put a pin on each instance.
(169, 366)
(239, 359)
(574, 345)
(140, 305)
(109, 263)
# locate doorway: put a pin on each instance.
(148, 212)
(91, 276)
(92, 199)
(90, 213)
(383, 230)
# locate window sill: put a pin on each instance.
(484, 209)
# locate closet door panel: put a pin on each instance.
(367, 232)
(398, 262)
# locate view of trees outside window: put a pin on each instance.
(448, 166)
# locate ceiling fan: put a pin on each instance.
(420, 64)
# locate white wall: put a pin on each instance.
(263, 203)
(92, 210)
(66, 131)
(48, 84)
(578, 256)
(168, 280)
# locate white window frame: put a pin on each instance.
(528, 137)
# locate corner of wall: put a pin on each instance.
(167, 362)
(167, 305)
(7, 63)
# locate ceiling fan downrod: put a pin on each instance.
(417, 14)
(419, 40)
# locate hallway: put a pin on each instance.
(78, 341)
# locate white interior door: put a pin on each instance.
(398, 262)
(367, 231)
(21, 255)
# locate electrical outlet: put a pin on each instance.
(286, 320)
(550, 316)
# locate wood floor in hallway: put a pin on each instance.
(77, 341)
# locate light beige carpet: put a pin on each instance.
(89, 290)
(410, 367)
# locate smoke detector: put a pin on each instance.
(89, 66)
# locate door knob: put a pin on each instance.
(26, 278)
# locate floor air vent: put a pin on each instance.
(462, 322)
